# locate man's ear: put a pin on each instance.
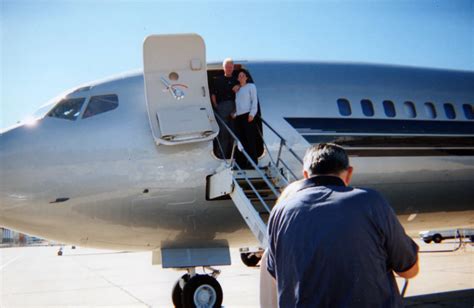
(348, 176)
(305, 174)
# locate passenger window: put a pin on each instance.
(68, 109)
(389, 109)
(410, 110)
(449, 110)
(367, 107)
(468, 111)
(100, 104)
(344, 107)
(430, 110)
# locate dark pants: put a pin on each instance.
(247, 134)
(224, 109)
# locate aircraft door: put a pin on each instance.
(176, 89)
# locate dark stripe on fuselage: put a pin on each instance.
(409, 152)
(370, 146)
(388, 141)
(381, 126)
(411, 142)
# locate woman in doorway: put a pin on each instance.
(246, 107)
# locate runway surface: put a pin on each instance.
(37, 277)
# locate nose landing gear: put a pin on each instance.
(197, 290)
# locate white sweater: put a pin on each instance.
(246, 100)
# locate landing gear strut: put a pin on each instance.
(196, 290)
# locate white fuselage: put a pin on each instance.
(103, 182)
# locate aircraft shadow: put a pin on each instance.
(97, 253)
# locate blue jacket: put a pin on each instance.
(337, 246)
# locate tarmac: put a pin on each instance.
(35, 276)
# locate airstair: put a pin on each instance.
(254, 192)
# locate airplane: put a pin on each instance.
(126, 163)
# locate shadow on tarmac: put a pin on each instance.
(456, 299)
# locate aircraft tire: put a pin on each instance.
(437, 238)
(249, 259)
(177, 293)
(202, 291)
(427, 241)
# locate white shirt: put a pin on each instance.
(246, 100)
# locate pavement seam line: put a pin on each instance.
(9, 262)
(113, 284)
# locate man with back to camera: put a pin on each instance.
(223, 101)
(331, 245)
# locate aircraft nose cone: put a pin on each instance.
(14, 167)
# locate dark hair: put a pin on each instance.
(245, 72)
(325, 158)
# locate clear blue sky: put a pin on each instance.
(50, 46)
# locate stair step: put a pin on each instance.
(245, 184)
(263, 196)
(256, 203)
(254, 182)
(260, 191)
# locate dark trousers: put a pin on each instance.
(224, 109)
(247, 134)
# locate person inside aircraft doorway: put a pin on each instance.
(223, 101)
(246, 107)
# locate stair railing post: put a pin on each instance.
(279, 152)
(265, 145)
(232, 154)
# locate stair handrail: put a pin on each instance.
(265, 205)
(247, 156)
(283, 142)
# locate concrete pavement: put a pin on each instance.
(37, 277)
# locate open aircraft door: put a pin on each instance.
(176, 89)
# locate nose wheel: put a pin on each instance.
(197, 291)
(177, 293)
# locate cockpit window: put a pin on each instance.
(68, 109)
(100, 104)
